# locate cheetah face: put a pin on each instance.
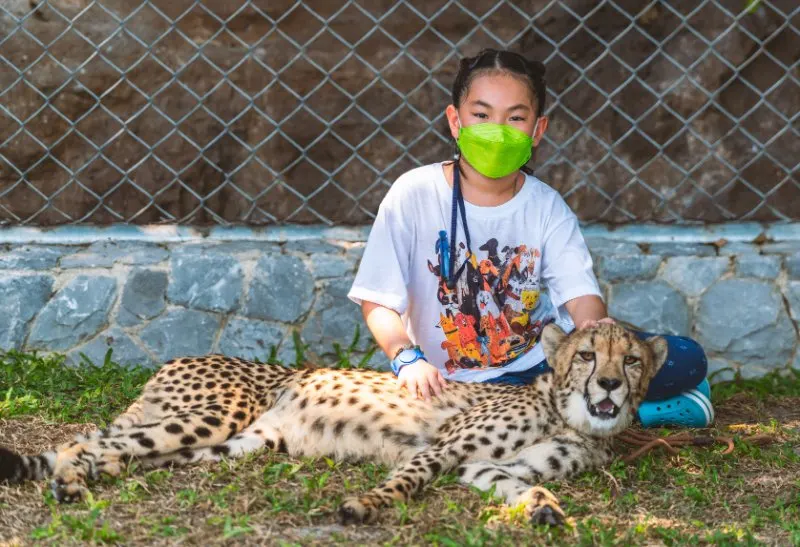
(602, 375)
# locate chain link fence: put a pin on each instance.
(264, 111)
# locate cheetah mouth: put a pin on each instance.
(605, 409)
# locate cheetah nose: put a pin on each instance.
(609, 384)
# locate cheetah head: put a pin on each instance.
(601, 375)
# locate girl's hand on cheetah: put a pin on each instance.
(592, 323)
(422, 380)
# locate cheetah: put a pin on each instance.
(506, 436)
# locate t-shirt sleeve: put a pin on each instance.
(383, 274)
(566, 262)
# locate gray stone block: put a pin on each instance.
(206, 282)
(745, 321)
(692, 275)
(228, 247)
(379, 361)
(793, 266)
(181, 332)
(87, 260)
(334, 319)
(282, 289)
(31, 258)
(330, 265)
(312, 246)
(105, 254)
(356, 251)
(124, 350)
(21, 298)
(652, 306)
(144, 297)
(607, 247)
(751, 370)
(738, 248)
(682, 249)
(760, 266)
(720, 370)
(144, 257)
(628, 268)
(250, 339)
(793, 297)
(77, 312)
(287, 353)
(781, 247)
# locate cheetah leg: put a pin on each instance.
(408, 479)
(133, 416)
(104, 453)
(259, 434)
(17, 468)
(513, 479)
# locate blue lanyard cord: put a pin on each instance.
(457, 206)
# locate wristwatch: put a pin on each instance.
(405, 356)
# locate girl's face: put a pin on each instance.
(501, 99)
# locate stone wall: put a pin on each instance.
(161, 294)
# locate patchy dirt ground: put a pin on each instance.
(700, 496)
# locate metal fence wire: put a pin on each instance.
(264, 111)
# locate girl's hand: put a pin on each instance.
(422, 378)
(592, 323)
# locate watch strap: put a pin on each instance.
(397, 365)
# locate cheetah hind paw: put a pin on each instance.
(356, 511)
(70, 492)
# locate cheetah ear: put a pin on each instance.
(658, 345)
(551, 339)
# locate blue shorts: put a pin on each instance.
(686, 366)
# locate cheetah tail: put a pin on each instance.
(16, 468)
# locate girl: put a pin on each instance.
(468, 260)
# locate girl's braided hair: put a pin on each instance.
(532, 72)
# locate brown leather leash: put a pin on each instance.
(647, 442)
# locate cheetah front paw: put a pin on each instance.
(547, 516)
(68, 492)
(357, 511)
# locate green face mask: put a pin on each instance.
(494, 150)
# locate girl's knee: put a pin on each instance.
(688, 355)
(686, 366)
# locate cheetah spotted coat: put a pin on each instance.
(509, 437)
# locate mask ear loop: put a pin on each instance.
(535, 128)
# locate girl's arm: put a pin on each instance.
(587, 311)
(390, 334)
(386, 327)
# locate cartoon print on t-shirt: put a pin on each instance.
(496, 310)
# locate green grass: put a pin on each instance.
(776, 384)
(699, 497)
(31, 384)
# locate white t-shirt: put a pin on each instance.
(528, 259)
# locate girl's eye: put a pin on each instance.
(630, 360)
(481, 115)
(587, 355)
(517, 119)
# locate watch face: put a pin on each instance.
(407, 356)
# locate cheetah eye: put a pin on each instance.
(587, 355)
(630, 360)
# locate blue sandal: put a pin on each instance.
(691, 408)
